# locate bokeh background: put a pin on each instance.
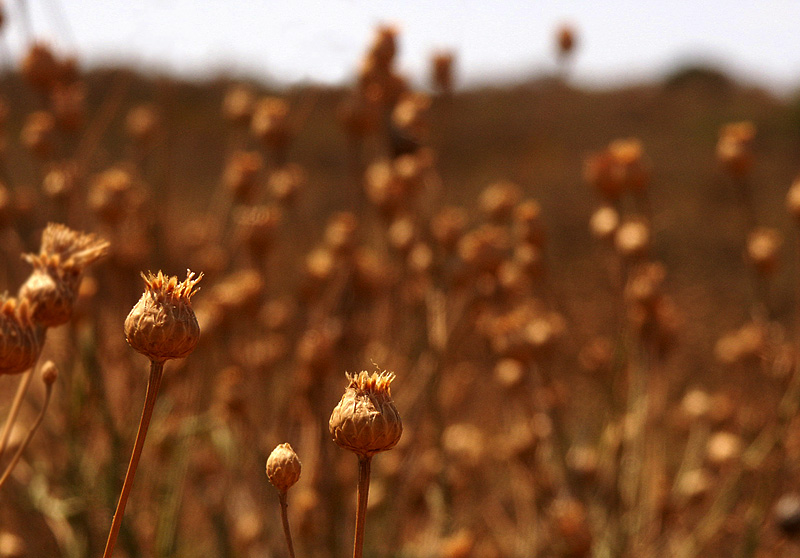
(575, 243)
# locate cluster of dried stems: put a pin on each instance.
(496, 461)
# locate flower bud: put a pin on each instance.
(49, 373)
(283, 467)
(366, 420)
(162, 325)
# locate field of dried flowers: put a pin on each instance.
(588, 300)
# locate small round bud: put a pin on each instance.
(283, 467)
(49, 373)
(162, 325)
(366, 420)
(787, 514)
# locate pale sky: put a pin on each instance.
(322, 41)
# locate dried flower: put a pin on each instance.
(366, 420)
(734, 148)
(283, 467)
(52, 288)
(20, 338)
(162, 325)
(37, 133)
(442, 72)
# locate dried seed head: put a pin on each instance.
(241, 171)
(565, 40)
(162, 325)
(69, 105)
(284, 183)
(734, 148)
(442, 72)
(283, 467)
(53, 286)
(141, 124)
(598, 171)
(12, 546)
(359, 114)
(60, 181)
(448, 226)
(793, 200)
(410, 115)
(39, 67)
(723, 448)
(238, 104)
(695, 484)
(37, 133)
(366, 420)
(256, 226)
(340, 233)
(763, 245)
(109, 194)
(632, 239)
(6, 206)
(270, 123)
(497, 201)
(604, 222)
(630, 168)
(20, 338)
(787, 514)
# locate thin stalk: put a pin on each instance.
(285, 520)
(361, 512)
(156, 370)
(28, 438)
(22, 389)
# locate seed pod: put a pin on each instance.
(20, 338)
(283, 467)
(238, 105)
(141, 124)
(270, 123)
(37, 133)
(12, 546)
(565, 40)
(39, 67)
(162, 325)
(604, 222)
(366, 420)
(793, 200)
(763, 245)
(442, 72)
(110, 193)
(69, 106)
(632, 239)
(734, 148)
(52, 288)
(787, 514)
(241, 172)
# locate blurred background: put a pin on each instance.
(571, 230)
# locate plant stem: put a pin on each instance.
(361, 512)
(285, 519)
(156, 369)
(28, 438)
(24, 382)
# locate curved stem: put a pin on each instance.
(156, 369)
(29, 437)
(361, 511)
(22, 388)
(285, 519)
